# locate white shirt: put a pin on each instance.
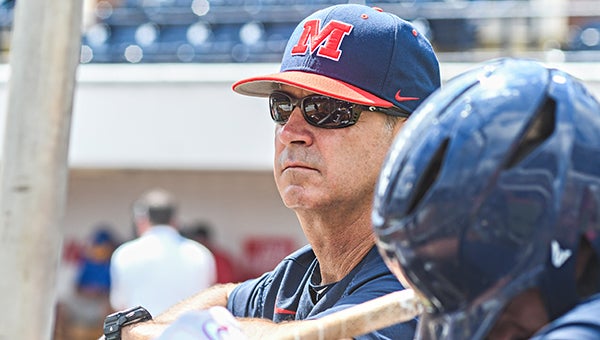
(159, 269)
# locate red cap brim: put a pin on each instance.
(262, 86)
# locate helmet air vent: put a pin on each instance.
(429, 175)
(540, 128)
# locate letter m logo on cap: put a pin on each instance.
(326, 41)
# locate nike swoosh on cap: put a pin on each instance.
(403, 99)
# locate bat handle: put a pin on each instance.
(382, 312)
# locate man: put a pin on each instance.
(160, 267)
(488, 206)
(349, 77)
(202, 232)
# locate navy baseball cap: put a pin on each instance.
(355, 53)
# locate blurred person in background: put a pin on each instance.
(202, 232)
(160, 267)
(81, 313)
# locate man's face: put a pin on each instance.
(521, 318)
(318, 168)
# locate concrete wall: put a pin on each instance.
(238, 204)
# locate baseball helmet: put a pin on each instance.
(487, 191)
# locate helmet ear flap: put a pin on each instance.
(563, 284)
(588, 216)
(557, 283)
(588, 279)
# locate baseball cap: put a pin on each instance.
(355, 53)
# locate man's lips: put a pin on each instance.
(298, 159)
(296, 166)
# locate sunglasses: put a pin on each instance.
(322, 111)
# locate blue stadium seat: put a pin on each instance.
(130, 12)
(227, 2)
(199, 42)
(95, 43)
(6, 17)
(586, 37)
(174, 12)
(112, 49)
(7, 3)
(267, 47)
(452, 34)
(223, 39)
(276, 37)
(172, 46)
(121, 38)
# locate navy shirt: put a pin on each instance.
(292, 292)
(581, 323)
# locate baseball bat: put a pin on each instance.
(361, 319)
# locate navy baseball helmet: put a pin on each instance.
(487, 191)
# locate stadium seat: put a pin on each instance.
(586, 37)
(130, 12)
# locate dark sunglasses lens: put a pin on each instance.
(281, 107)
(328, 113)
